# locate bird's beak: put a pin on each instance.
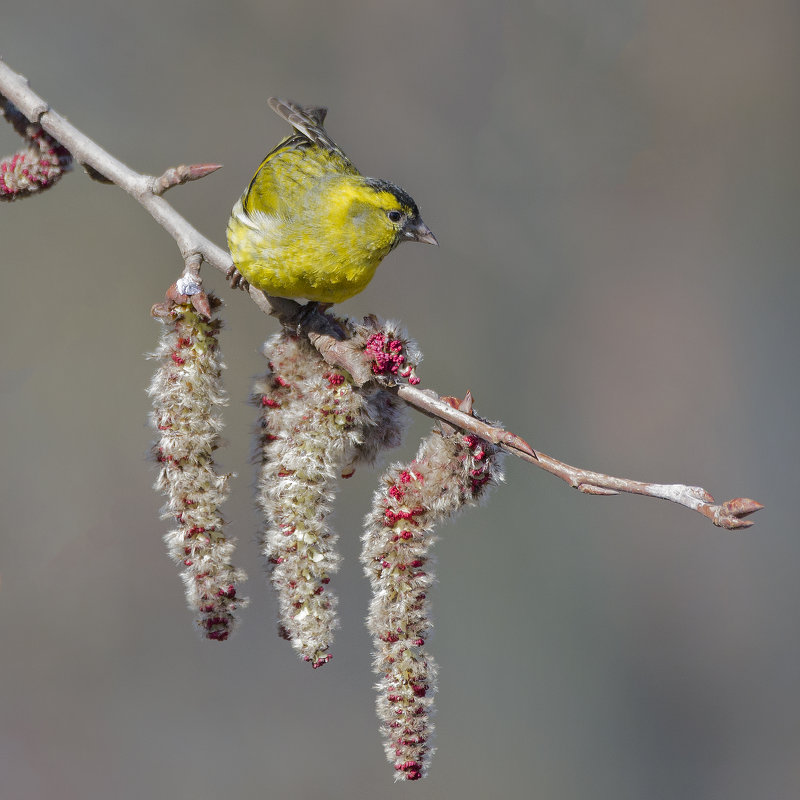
(417, 231)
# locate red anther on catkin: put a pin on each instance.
(334, 378)
(393, 355)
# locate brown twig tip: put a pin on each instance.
(730, 514)
(201, 170)
(182, 174)
(518, 443)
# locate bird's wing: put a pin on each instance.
(283, 178)
(308, 120)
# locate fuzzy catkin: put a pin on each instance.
(187, 397)
(450, 471)
(35, 168)
(315, 426)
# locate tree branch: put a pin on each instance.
(320, 328)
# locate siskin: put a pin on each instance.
(309, 224)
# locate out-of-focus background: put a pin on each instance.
(615, 189)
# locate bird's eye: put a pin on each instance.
(395, 216)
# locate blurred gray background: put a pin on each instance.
(615, 189)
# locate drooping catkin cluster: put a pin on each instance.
(35, 168)
(450, 471)
(187, 397)
(315, 426)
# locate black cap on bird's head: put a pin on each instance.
(413, 228)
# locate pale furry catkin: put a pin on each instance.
(188, 396)
(315, 425)
(39, 166)
(450, 472)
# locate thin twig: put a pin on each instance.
(321, 329)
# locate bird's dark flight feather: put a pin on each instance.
(308, 120)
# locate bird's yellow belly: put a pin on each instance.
(299, 266)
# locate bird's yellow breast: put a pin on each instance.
(324, 244)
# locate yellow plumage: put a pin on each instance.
(309, 225)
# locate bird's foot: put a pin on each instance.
(236, 279)
(307, 312)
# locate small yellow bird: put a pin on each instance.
(309, 224)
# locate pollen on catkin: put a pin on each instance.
(35, 168)
(187, 397)
(315, 425)
(450, 472)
